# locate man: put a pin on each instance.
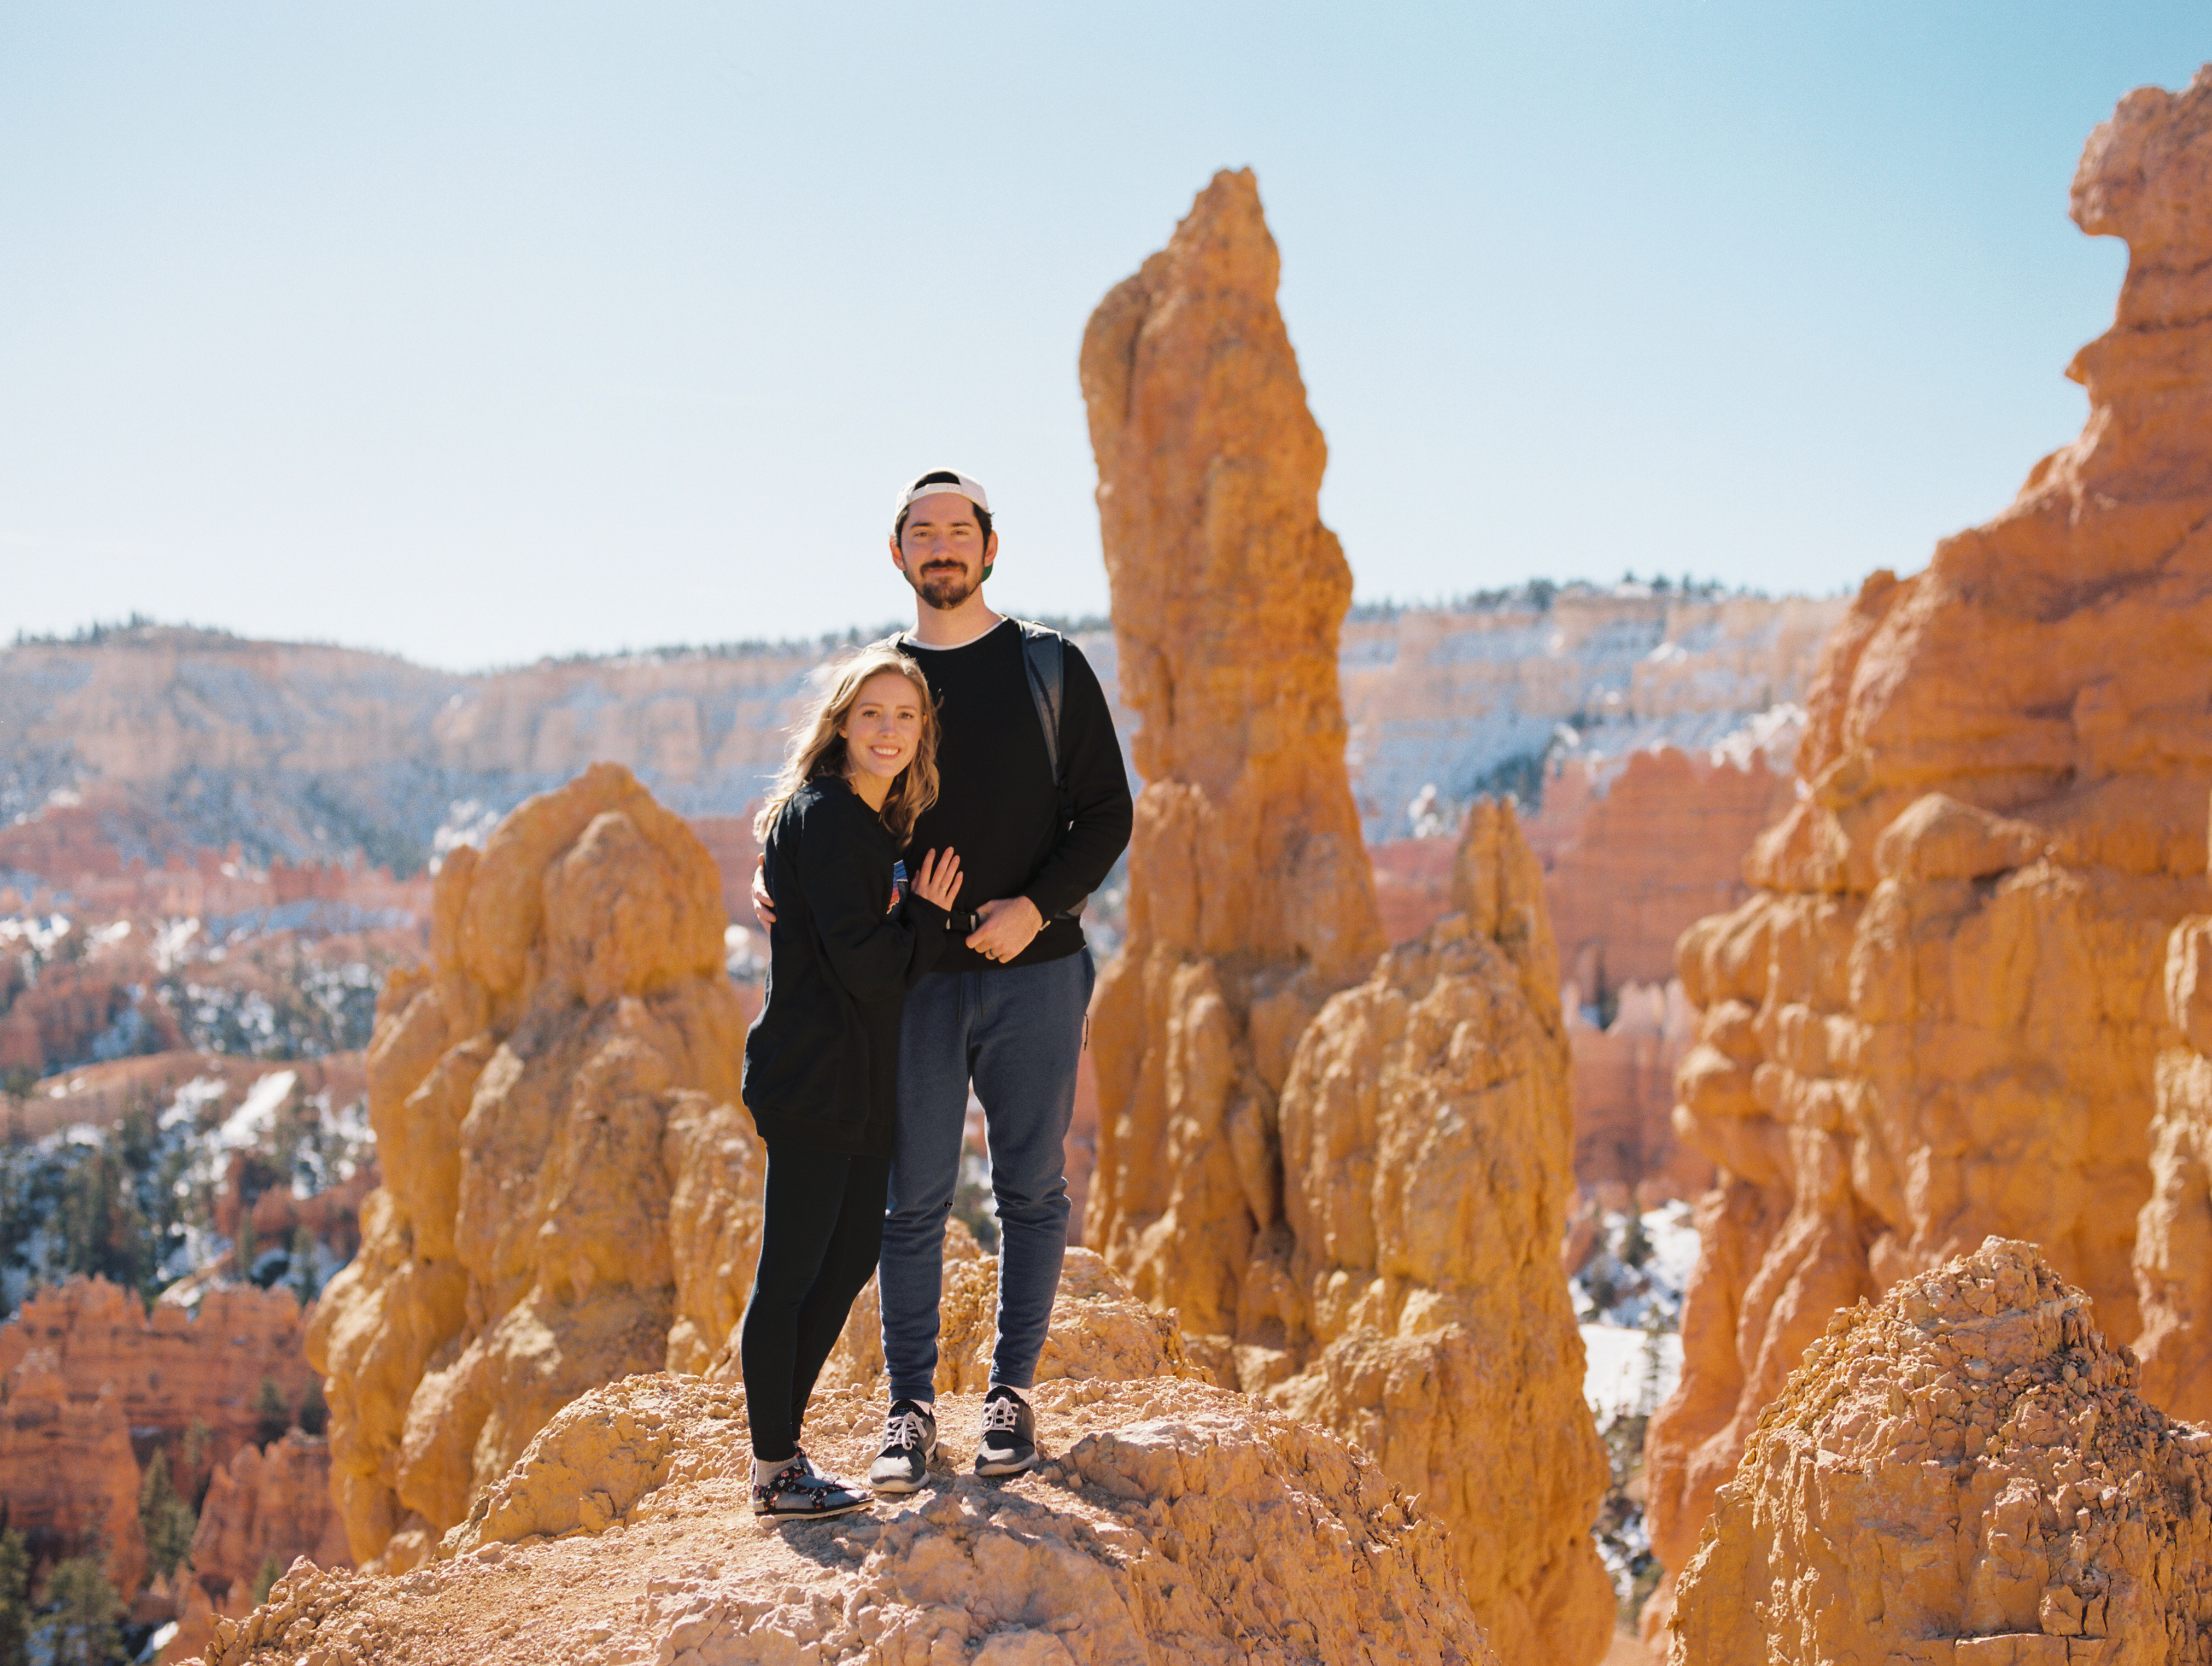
(1034, 797)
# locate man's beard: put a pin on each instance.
(945, 588)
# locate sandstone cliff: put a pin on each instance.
(1939, 1016)
(1172, 1521)
(1965, 1473)
(1250, 900)
(567, 1176)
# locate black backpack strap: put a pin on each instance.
(1044, 652)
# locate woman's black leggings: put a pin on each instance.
(824, 1225)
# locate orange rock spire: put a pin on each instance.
(1356, 1205)
(1939, 1016)
(1250, 896)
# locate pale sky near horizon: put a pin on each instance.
(487, 331)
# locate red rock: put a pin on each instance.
(1940, 1017)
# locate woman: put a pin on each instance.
(847, 943)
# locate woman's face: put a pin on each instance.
(885, 726)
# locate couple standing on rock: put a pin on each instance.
(986, 744)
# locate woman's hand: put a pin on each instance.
(938, 882)
(763, 905)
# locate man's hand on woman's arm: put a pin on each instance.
(1009, 924)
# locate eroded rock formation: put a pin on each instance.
(1964, 1472)
(568, 1182)
(167, 1368)
(2173, 1235)
(268, 1505)
(1357, 1214)
(1250, 900)
(1939, 1017)
(1173, 1521)
(1410, 1295)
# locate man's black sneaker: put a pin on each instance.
(796, 1493)
(909, 1443)
(1008, 1441)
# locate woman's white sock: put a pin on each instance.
(766, 1469)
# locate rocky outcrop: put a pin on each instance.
(1172, 1521)
(268, 1506)
(1487, 696)
(1409, 1294)
(1966, 1472)
(1940, 1016)
(1250, 900)
(1358, 1212)
(566, 1176)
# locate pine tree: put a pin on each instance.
(303, 1265)
(166, 1519)
(271, 1416)
(14, 1599)
(314, 1411)
(83, 1621)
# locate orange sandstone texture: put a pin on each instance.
(1965, 1473)
(165, 1369)
(1250, 900)
(1410, 1295)
(268, 1504)
(570, 1191)
(1358, 1213)
(1940, 1016)
(1172, 1521)
(2173, 1235)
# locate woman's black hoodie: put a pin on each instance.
(822, 1059)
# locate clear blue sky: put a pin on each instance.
(483, 331)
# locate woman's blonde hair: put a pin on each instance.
(816, 748)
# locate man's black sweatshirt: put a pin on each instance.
(996, 802)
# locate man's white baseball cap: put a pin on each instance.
(942, 480)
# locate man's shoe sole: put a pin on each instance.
(898, 1484)
(990, 1469)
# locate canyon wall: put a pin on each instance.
(1355, 1207)
(1940, 1017)
(86, 1371)
(567, 1180)
(1490, 698)
(1966, 1472)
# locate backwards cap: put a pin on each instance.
(942, 480)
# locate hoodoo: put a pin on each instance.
(570, 1192)
(1355, 1203)
(1940, 1016)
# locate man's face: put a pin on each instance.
(942, 549)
